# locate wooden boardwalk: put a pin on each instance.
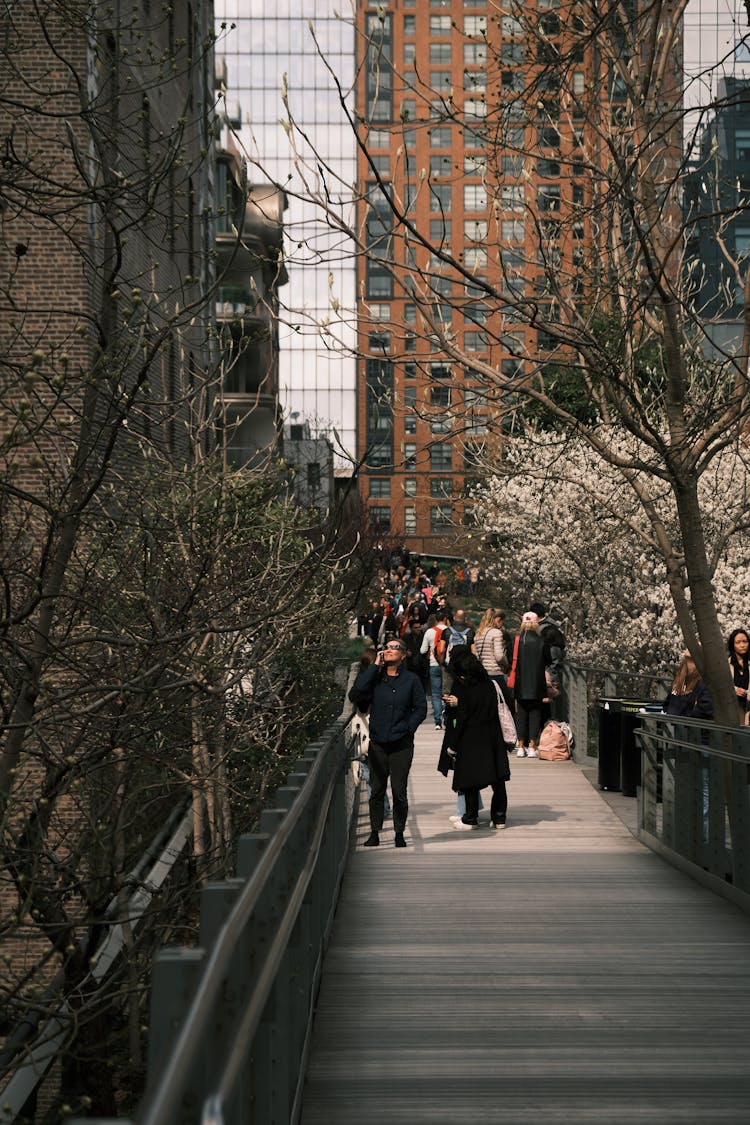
(557, 971)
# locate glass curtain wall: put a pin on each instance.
(271, 39)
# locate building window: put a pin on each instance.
(381, 164)
(441, 518)
(440, 53)
(410, 455)
(475, 107)
(408, 109)
(380, 518)
(440, 371)
(410, 25)
(410, 486)
(475, 54)
(440, 137)
(475, 25)
(410, 521)
(512, 197)
(511, 27)
(440, 165)
(380, 488)
(410, 345)
(475, 139)
(475, 81)
(440, 81)
(410, 314)
(410, 424)
(440, 396)
(380, 454)
(379, 341)
(475, 163)
(440, 230)
(579, 82)
(475, 341)
(441, 424)
(410, 52)
(512, 230)
(475, 230)
(440, 25)
(512, 368)
(548, 137)
(548, 197)
(441, 457)
(440, 198)
(410, 370)
(475, 197)
(475, 257)
(513, 52)
(379, 280)
(378, 311)
(742, 144)
(441, 486)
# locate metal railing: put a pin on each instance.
(231, 1018)
(694, 799)
(583, 686)
(37, 1043)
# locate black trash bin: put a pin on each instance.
(619, 757)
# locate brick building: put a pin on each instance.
(483, 123)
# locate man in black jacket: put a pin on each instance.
(397, 706)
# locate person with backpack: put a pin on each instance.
(458, 633)
(430, 647)
(554, 638)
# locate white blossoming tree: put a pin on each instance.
(559, 520)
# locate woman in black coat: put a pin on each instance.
(530, 685)
(474, 745)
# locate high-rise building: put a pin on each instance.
(447, 130)
(720, 225)
(267, 44)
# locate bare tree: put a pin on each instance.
(166, 622)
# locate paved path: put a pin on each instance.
(557, 971)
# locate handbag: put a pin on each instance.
(512, 673)
(507, 726)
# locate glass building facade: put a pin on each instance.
(272, 43)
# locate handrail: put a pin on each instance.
(161, 855)
(162, 1102)
(694, 799)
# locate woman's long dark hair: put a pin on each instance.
(465, 666)
(730, 648)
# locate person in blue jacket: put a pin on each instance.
(397, 704)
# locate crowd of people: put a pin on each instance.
(418, 645)
(491, 692)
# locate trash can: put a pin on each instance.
(619, 757)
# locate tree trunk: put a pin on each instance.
(712, 659)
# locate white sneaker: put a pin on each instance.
(454, 818)
(532, 753)
(460, 826)
(521, 752)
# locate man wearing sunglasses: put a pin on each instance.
(397, 704)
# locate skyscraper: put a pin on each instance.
(443, 96)
(271, 43)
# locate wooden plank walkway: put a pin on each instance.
(557, 971)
